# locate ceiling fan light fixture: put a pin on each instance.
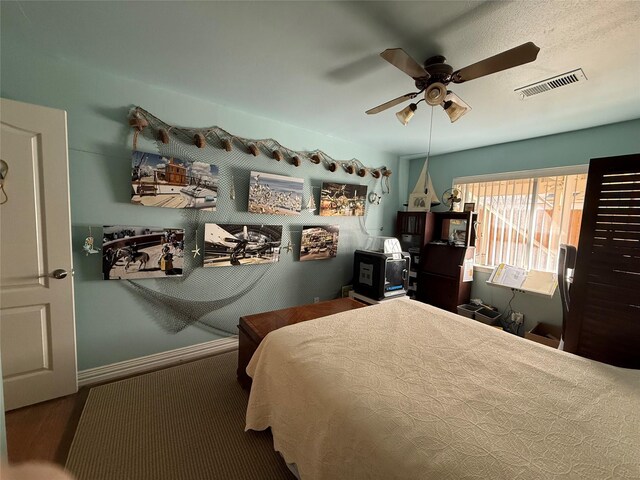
(435, 94)
(454, 107)
(406, 113)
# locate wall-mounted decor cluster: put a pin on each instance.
(226, 245)
(275, 194)
(269, 179)
(319, 242)
(343, 200)
(216, 137)
(141, 252)
(158, 181)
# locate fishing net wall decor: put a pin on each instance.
(214, 298)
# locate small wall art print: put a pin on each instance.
(319, 242)
(168, 182)
(275, 194)
(130, 253)
(226, 245)
(339, 199)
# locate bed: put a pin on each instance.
(403, 390)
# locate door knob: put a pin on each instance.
(59, 274)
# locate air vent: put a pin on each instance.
(552, 83)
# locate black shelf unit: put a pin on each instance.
(413, 229)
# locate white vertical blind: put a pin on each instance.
(523, 221)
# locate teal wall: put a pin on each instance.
(572, 148)
(112, 325)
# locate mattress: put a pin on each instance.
(403, 390)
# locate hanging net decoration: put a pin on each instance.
(207, 298)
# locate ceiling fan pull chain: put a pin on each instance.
(426, 181)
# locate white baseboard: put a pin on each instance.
(118, 370)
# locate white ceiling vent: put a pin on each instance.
(552, 83)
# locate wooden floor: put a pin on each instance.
(44, 431)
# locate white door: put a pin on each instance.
(37, 326)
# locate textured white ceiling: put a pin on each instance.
(316, 64)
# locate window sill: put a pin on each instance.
(482, 269)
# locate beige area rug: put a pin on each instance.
(185, 422)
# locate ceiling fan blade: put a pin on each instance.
(454, 106)
(525, 53)
(401, 59)
(391, 103)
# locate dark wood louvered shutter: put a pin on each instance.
(604, 317)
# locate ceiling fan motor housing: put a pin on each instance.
(439, 72)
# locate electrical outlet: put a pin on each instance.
(316, 299)
(517, 318)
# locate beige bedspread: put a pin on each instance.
(405, 391)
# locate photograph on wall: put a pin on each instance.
(130, 253)
(339, 199)
(319, 242)
(226, 245)
(275, 194)
(168, 182)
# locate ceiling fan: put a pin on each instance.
(436, 74)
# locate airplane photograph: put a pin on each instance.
(226, 245)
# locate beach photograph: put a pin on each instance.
(275, 194)
(319, 242)
(226, 245)
(168, 182)
(130, 253)
(343, 200)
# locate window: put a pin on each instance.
(523, 217)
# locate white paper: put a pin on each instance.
(467, 275)
(509, 276)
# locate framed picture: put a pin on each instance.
(226, 245)
(168, 182)
(469, 207)
(342, 199)
(419, 202)
(319, 242)
(275, 194)
(141, 252)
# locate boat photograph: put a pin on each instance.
(168, 182)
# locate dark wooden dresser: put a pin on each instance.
(441, 270)
(253, 328)
(440, 279)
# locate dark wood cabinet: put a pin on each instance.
(441, 275)
(414, 228)
(604, 312)
(439, 243)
